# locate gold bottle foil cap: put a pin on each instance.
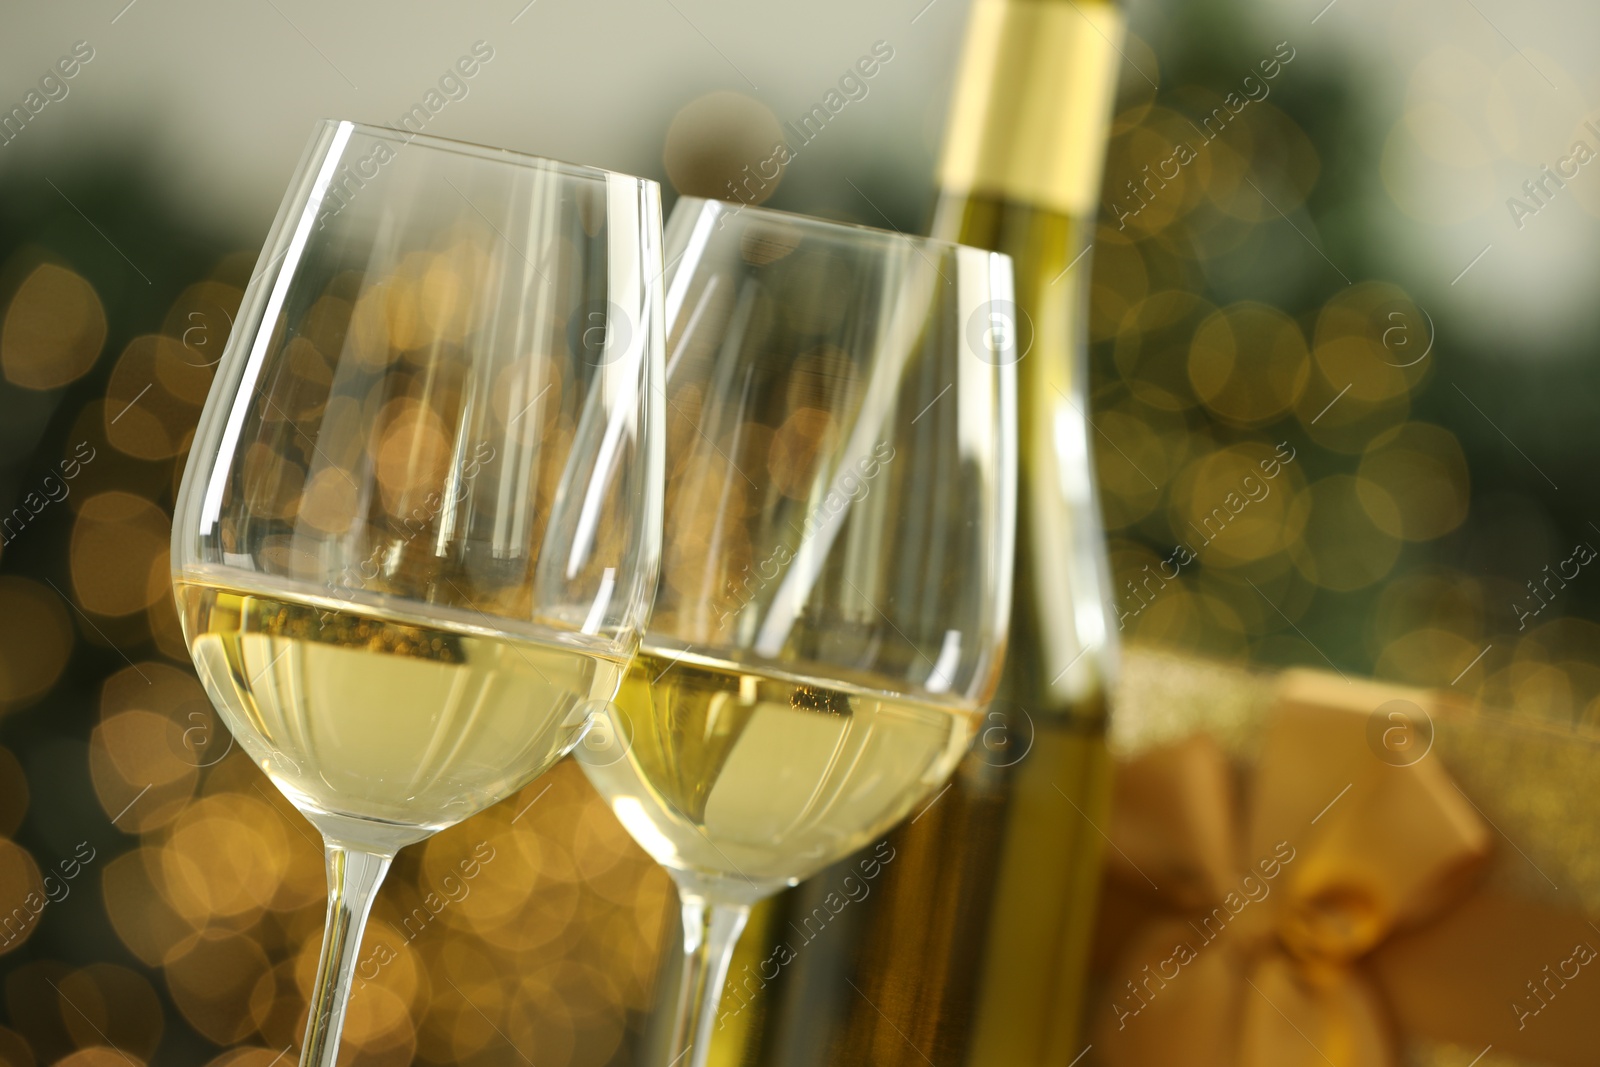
(1032, 103)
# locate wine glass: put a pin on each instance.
(835, 587)
(419, 530)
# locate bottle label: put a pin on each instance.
(1032, 103)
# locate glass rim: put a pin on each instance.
(490, 153)
(733, 208)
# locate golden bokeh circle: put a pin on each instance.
(1248, 363)
(142, 919)
(147, 747)
(413, 456)
(330, 503)
(1237, 504)
(1423, 473)
(1373, 342)
(224, 856)
(114, 540)
(144, 764)
(36, 639)
(53, 330)
(211, 981)
(135, 751)
(144, 416)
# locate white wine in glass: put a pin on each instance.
(408, 724)
(419, 530)
(756, 773)
(835, 588)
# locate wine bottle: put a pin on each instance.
(1021, 174)
(972, 945)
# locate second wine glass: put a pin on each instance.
(836, 579)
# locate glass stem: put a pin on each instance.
(353, 880)
(711, 929)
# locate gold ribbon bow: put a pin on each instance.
(1255, 956)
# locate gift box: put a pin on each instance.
(1312, 869)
